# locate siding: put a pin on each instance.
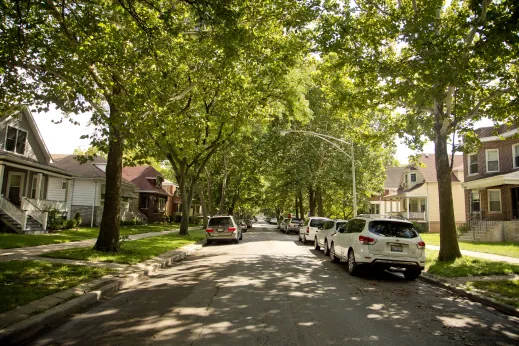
(54, 190)
(458, 196)
(83, 192)
(32, 149)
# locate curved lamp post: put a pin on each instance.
(351, 156)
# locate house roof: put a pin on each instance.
(57, 157)
(393, 175)
(37, 134)
(25, 161)
(402, 192)
(140, 176)
(84, 170)
(496, 180)
(428, 169)
(491, 131)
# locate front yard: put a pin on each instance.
(509, 249)
(132, 252)
(9, 241)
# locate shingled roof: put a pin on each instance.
(429, 166)
(393, 175)
(490, 131)
(144, 178)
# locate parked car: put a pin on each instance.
(283, 224)
(242, 225)
(222, 228)
(249, 223)
(273, 221)
(308, 232)
(322, 238)
(381, 243)
(293, 225)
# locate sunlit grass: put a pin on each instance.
(467, 266)
(24, 281)
(132, 252)
(507, 290)
(510, 249)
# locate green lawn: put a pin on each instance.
(9, 241)
(505, 249)
(132, 252)
(507, 290)
(467, 266)
(24, 281)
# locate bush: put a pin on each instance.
(421, 227)
(55, 219)
(70, 223)
(78, 218)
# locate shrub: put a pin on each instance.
(55, 219)
(78, 219)
(420, 227)
(70, 223)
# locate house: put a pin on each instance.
(152, 195)
(173, 204)
(383, 207)
(30, 184)
(417, 192)
(492, 185)
(88, 189)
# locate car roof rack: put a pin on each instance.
(383, 216)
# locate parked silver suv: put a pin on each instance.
(222, 228)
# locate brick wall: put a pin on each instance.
(506, 163)
(85, 211)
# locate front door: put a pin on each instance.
(15, 187)
(515, 202)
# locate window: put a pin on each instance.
(317, 222)
(473, 164)
(356, 226)
(339, 225)
(515, 153)
(162, 204)
(144, 202)
(494, 201)
(492, 160)
(475, 204)
(15, 140)
(413, 178)
(393, 229)
(374, 209)
(63, 185)
(158, 181)
(328, 224)
(34, 186)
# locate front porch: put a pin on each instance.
(413, 208)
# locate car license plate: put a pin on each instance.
(219, 230)
(397, 248)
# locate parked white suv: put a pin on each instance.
(383, 243)
(308, 232)
(222, 228)
(323, 237)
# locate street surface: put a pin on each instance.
(273, 290)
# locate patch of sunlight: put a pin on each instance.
(375, 316)
(102, 313)
(367, 338)
(457, 321)
(306, 324)
(376, 307)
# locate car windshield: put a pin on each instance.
(339, 225)
(393, 229)
(220, 221)
(294, 220)
(317, 222)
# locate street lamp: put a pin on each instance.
(351, 156)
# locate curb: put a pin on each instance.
(26, 329)
(507, 309)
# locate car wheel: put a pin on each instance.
(300, 239)
(326, 248)
(353, 268)
(304, 239)
(333, 258)
(208, 242)
(316, 244)
(241, 236)
(412, 274)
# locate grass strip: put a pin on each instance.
(510, 249)
(131, 252)
(506, 291)
(24, 281)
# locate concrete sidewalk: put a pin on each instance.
(26, 252)
(483, 255)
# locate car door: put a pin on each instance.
(353, 238)
(339, 240)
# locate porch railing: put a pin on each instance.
(416, 215)
(12, 210)
(35, 212)
(43, 204)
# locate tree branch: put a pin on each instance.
(475, 111)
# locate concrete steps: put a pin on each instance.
(32, 226)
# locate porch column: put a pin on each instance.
(39, 177)
(2, 167)
(407, 204)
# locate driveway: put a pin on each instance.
(273, 290)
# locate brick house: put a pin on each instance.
(492, 183)
(417, 193)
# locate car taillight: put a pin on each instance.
(420, 245)
(231, 229)
(307, 229)
(209, 230)
(367, 240)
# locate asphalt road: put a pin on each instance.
(272, 290)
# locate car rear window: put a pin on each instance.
(294, 220)
(393, 229)
(339, 225)
(220, 221)
(317, 222)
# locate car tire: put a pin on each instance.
(333, 258)
(326, 248)
(208, 242)
(300, 239)
(241, 236)
(353, 268)
(316, 244)
(411, 275)
(304, 239)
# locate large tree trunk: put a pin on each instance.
(296, 206)
(311, 200)
(209, 192)
(221, 209)
(108, 239)
(184, 196)
(301, 211)
(319, 197)
(449, 248)
(200, 193)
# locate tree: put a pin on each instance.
(447, 63)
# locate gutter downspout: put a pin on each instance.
(93, 203)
